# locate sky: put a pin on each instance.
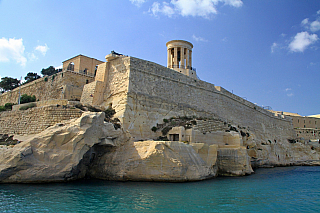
(265, 51)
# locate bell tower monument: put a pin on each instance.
(180, 57)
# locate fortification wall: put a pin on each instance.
(50, 87)
(156, 92)
(116, 85)
(35, 120)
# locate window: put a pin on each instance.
(71, 66)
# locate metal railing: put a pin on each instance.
(182, 67)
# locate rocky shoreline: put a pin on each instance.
(89, 147)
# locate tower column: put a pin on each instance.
(187, 58)
(182, 57)
(190, 58)
(169, 58)
(175, 56)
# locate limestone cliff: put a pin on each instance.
(155, 161)
(57, 153)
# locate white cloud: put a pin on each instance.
(12, 49)
(318, 12)
(305, 21)
(234, 3)
(287, 91)
(195, 7)
(165, 9)
(202, 8)
(301, 41)
(315, 26)
(225, 39)
(273, 47)
(138, 3)
(42, 49)
(32, 57)
(199, 38)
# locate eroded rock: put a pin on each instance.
(155, 161)
(56, 153)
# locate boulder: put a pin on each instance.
(56, 153)
(154, 161)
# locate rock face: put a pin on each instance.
(233, 162)
(269, 153)
(56, 154)
(155, 161)
(90, 147)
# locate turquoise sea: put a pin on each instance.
(283, 189)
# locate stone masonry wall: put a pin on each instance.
(117, 85)
(35, 120)
(50, 87)
(156, 92)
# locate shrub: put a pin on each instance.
(2, 108)
(109, 113)
(116, 126)
(27, 98)
(93, 109)
(46, 79)
(154, 129)
(166, 130)
(80, 106)
(8, 106)
(28, 106)
(165, 120)
(232, 128)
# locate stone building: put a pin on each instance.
(306, 127)
(68, 84)
(143, 93)
(82, 64)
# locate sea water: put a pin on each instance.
(283, 189)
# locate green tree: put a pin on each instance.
(31, 77)
(27, 98)
(49, 71)
(8, 83)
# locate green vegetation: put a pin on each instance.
(31, 77)
(27, 98)
(2, 108)
(49, 71)
(6, 107)
(166, 130)
(8, 83)
(154, 129)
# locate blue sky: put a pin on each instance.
(266, 51)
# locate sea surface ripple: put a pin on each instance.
(283, 189)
